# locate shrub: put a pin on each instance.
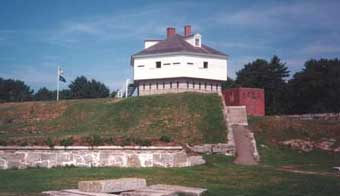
(142, 142)
(49, 142)
(67, 141)
(23, 143)
(3, 142)
(165, 138)
(95, 140)
(127, 141)
(137, 141)
(110, 141)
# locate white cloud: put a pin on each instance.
(300, 14)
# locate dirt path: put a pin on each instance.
(244, 147)
(309, 172)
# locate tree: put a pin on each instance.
(269, 76)
(64, 94)
(230, 83)
(316, 89)
(44, 94)
(14, 90)
(83, 88)
(114, 93)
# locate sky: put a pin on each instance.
(97, 38)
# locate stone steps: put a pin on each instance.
(239, 136)
(236, 115)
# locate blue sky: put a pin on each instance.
(96, 38)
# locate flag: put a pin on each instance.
(62, 79)
(60, 74)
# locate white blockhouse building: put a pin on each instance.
(179, 63)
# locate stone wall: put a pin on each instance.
(324, 116)
(101, 156)
(221, 148)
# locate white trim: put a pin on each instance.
(178, 54)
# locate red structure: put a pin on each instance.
(252, 98)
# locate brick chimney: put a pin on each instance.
(187, 30)
(170, 31)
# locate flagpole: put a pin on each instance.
(126, 88)
(58, 83)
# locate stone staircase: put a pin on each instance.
(236, 115)
(240, 135)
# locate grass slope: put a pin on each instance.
(269, 131)
(219, 175)
(187, 118)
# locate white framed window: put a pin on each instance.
(197, 42)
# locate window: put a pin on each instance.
(197, 42)
(166, 64)
(189, 63)
(157, 85)
(170, 84)
(158, 64)
(216, 86)
(163, 85)
(140, 65)
(187, 84)
(199, 85)
(205, 65)
(177, 84)
(193, 84)
(150, 86)
(205, 85)
(143, 86)
(211, 87)
(177, 63)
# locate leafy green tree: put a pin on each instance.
(83, 88)
(44, 94)
(64, 94)
(269, 76)
(230, 83)
(114, 93)
(316, 89)
(14, 90)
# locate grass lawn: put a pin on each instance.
(270, 130)
(186, 118)
(219, 175)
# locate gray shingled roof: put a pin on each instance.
(177, 43)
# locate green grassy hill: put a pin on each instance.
(180, 118)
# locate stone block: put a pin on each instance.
(74, 192)
(180, 190)
(150, 192)
(112, 186)
(133, 161)
(181, 159)
(64, 157)
(33, 157)
(196, 160)
(49, 157)
(3, 164)
(220, 148)
(15, 164)
(206, 148)
(163, 160)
